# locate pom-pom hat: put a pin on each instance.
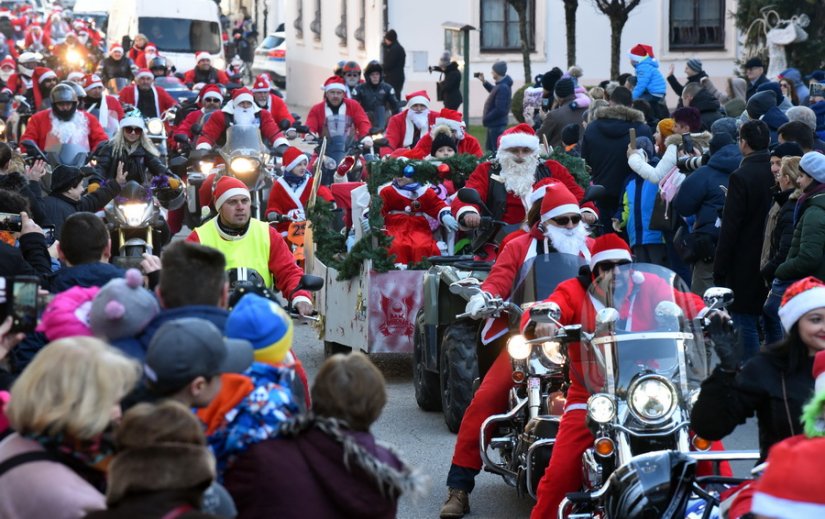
(123, 307)
(226, 188)
(133, 119)
(292, 157)
(262, 84)
(419, 97)
(442, 136)
(264, 324)
(800, 298)
(557, 200)
(609, 247)
(67, 315)
(519, 136)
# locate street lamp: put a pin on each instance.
(457, 41)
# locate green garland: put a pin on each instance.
(575, 165)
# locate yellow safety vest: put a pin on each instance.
(251, 251)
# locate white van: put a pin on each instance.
(97, 10)
(179, 28)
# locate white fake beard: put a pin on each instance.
(567, 241)
(419, 120)
(244, 116)
(5, 75)
(65, 130)
(518, 177)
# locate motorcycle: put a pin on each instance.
(294, 234)
(518, 443)
(15, 125)
(244, 281)
(156, 131)
(238, 72)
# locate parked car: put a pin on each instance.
(270, 58)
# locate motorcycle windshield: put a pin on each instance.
(340, 133)
(538, 276)
(642, 321)
(170, 83)
(243, 140)
(69, 154)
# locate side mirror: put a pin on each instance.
(178, 162)
(718, 297)
(310, 283)
(593, 193)
(33, 150)
(545, 313)
(469, 195)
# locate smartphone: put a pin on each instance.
(48, 230)
(633, 138)
(23, 303)
(687, 144)
(11, 222)
(477, 74)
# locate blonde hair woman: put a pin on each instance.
(61, 410)
(132, 147)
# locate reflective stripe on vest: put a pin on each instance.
(251, 251)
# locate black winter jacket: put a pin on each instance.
(450, 86)
(782, 235)
(394, 59)
(708, 107)
(58, 207)
(136, 164)
(31, 258)
(110, 68)
(375, 99)
(728, 400)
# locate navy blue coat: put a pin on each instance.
(497, 105)
(701, 194)
(87, 275)
(774, 118)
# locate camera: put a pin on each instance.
(477, 74)
(11, 222)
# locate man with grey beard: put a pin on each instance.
(505, 183)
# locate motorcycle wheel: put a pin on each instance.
(458, 369)
(331, 348)
(427, 384)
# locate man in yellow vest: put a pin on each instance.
(250, 243)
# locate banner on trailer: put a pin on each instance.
(394, 300)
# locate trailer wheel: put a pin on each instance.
(458, 369)
(427, 384)
(331, 348)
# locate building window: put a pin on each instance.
(697, 24)
(499, 26)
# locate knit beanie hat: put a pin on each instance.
(67, 315)
(226, 188)
(65, 177)
(787, 149)
(564, 88)
(442, 137)
(800, 298)
(123, 307)
(760, 102)
(813, 165)
(549, 79)
(689, 116)
(264, 324)
(665, 127)
(571, 134)
(695, 65)
(725, 125)
(734, 107)
(774, 87)
(500, 68)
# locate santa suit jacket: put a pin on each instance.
(400, 130)
(277, 107)
(40, 125)
(318, 115)
(29, 41)
(514, 212)
(284, 198)
(163, 101)
(216, 126)
(17, 84)
(114, 106)
(220, 77)
(468, 144)
(191, 119)
(404, 220)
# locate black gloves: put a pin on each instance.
(725, 342)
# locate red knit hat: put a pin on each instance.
(335, 83)
(641, 51)
(519, 136)
(67, 315)
(557, 200)
(419, 97)
(226, 188)
(262, 84)
(213, 90)
(292, 157)
(800, 298)
(609, 247)
(792, 486)
(451, 118)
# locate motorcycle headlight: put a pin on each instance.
(651, 398)
(74, 57)
(552, 350)
(206, 166)
(134, 215)
(600, 408)
(154, 126)
(517, 347)
(243, 165)
(2, 126)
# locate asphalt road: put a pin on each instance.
(425, 442)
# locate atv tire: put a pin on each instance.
(458, 369)
(427, 383)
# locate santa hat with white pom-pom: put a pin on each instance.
(109, 317)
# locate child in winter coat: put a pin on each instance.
(650, 83)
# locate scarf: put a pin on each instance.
(87, 458)
(229, 233)
(812, 191)
(293, 180)
(413, 187)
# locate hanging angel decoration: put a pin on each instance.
(776, 33)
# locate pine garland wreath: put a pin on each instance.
(575, 165)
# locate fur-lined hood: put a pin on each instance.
(700, 140)
(440, 128)
(169, 466)
(622, 113)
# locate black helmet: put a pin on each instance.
(653, 485)
(63, 93)
(373, 66)
(242, 281)
(158, 62)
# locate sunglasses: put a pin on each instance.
(610, 265)
(564, 220)
(132, 129)
(352, 75)
(211, 100)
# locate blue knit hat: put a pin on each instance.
(813, 165)
(264, 324)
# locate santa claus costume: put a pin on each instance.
(274, 104)
(159, 102)
(144, 59)
(405, 129)
(200, 116)
(453, 119)
(40, 75)
(36, 40)
(108, 108)
(210, 76)
(404, 205)
(290, 192)
(50, 133)
(317, 116)
(214, 131)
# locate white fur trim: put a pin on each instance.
(203, 146)
(213, 95)
(300, 158)
(46, 75)
(336, 86)
(203, 55)
(229, 193)
(609, 254)
(771, 506)
(463, 210)
(243, 97)
(560, 209)
(301, 299)
(588, 210)
(418, 100)
(519, 140)
(800, 305)
(280, 141)
(94, 85)
(537, 195)
(454, 125)
(144, 73)
(132, 121)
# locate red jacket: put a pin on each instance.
(221, 77)
(17, 84)
(514, 213)
(399, 132)
(283, 198)
(40, 125)
(279, 110)
(215, 127)
(163, 101)
(468, 144)
(185, 126)
(318, 115)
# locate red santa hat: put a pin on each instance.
(418, 97)
(92, 81)
(242, 94)
(8, 61)
(75, 77)
(557, 200)
(335, 83)
(800, 298)
(144, 72)
(792, 486)
(211, 91)
(203, 55)
(262, 83)
(609, 247)
(451, 118)
(519, 136)
(150, 48)
(226, 188)
(42, 74)
(539, 189)
(292, 157)
(115, 47)
(640, 52)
